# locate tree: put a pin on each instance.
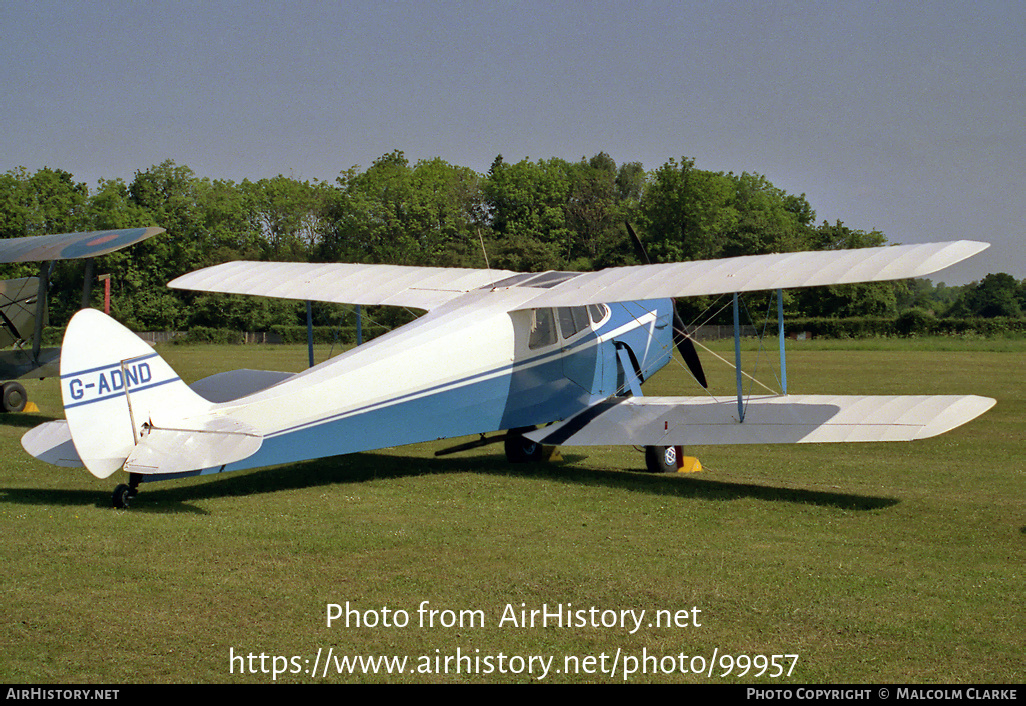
(112, 208)
(289, 215)
(769, 220)
(49, 201)
(994, 295)
(591, 211)
(845, 300)
(428, 214)
(630, 182)
(527, 204)
(687, 212)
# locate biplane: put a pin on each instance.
(551, 358)
(23, 301)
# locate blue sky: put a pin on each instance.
(907, 118)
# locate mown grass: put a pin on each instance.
(873, 562)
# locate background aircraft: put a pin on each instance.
(23, 310)
(497, 351)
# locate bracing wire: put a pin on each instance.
(716, 355)
(365, 317)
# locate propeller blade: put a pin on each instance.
(681, 339)
(639, 249)
(686, 346)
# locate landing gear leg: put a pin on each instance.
(124, 494)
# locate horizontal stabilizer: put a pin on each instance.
(233, 384)
(51, 442)
(220, 441)
(783, 419)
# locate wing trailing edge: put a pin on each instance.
(781, 419)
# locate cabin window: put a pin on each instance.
(572, 320)
(598, 312)
(543, 328)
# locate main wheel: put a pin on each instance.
(121, 497)
(14, 397)
(661, 459)
(520, 449)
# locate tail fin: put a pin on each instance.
(122, 402)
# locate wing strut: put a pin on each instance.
(780, 339)
(737, 351)
(309, 330)
(737, 361)
(45, 270)
(630, 374)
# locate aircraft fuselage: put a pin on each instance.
(465, 368)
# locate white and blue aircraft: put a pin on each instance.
(552, 358)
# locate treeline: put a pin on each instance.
(549, 214)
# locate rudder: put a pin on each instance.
(114, 387)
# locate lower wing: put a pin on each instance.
(781, 419)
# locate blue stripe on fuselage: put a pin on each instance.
(533, 393)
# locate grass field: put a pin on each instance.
(871, 562)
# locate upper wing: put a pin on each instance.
(754, 273)
(428, 287)
(71, 246)
(396, 285)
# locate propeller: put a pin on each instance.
(681, 338)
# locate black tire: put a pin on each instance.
(14, 397)
(661, 459)
(520, 449)
(121, 497)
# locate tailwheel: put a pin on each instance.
(661, 459)
(520, 449)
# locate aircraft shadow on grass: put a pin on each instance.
(364, 467)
